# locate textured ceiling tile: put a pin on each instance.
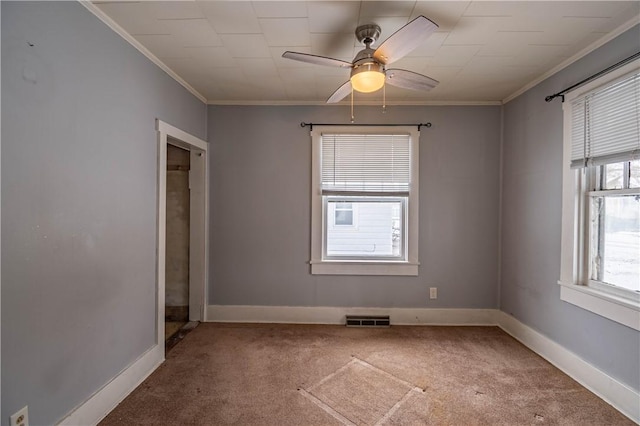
(535, 55)
(231, 17)
(163, 46)
(444, 13)
(280, 9)
(257, 66)
(301, 92)
(387, 8)
(246, 45)
(135, 18)
(453, 56)
(494, 8)
(193, 32)
(211, 57)
(176, 10)
(485, 65)
(333, 16)
(286, 31)
(299, 75)
(475, 30)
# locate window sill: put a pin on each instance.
(618, 309)
(363, 268)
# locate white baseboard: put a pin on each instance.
(336, 315)
(619, 395)
(106, 399)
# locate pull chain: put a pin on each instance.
(384, 98)
(352, 116)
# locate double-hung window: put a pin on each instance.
(364, 200)
(601, 197)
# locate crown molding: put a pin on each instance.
(135, 43)
(360, 103)
(584, 52)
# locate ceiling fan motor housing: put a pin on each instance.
(368, 34)
(364, 61)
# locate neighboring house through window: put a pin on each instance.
(365, 200)
(600, 268)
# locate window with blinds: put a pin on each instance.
(366, 163)
(365, 200)
(600, 244)
(605, 124)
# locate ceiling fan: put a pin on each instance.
(368, 68)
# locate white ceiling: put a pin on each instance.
(483, 51)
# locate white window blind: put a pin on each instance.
(605, 124)
(366, 164)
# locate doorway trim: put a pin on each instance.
(198, 226)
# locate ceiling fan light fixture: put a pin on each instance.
(368, 77)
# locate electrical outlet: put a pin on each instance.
(21, 417)
(433, 293)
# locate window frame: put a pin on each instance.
(612, 302)
(320, 265)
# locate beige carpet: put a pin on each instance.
(249, 374)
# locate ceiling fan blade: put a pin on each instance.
(405, 40)
(409, 80)
(342, 92)
(315, 59)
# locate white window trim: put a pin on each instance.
(319, 266)
(623, 310)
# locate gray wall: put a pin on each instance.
(260, 209)
(79, 155)
(531, 224)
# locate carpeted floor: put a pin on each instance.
(249, 374)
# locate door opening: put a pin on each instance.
(182, 230)
(176, 311)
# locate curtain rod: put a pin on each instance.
(593, 77)
(419, 125)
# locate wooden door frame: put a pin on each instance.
(198, 226)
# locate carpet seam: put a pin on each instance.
(397, 405)
(384, 373)
(327, 408)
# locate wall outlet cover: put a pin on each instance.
(433, 293)
(21, 417)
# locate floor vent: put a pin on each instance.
(368, 321)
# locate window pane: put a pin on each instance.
(634, 179)
(344, 217)
(613, 176)
(376, 229)
(615, 241)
